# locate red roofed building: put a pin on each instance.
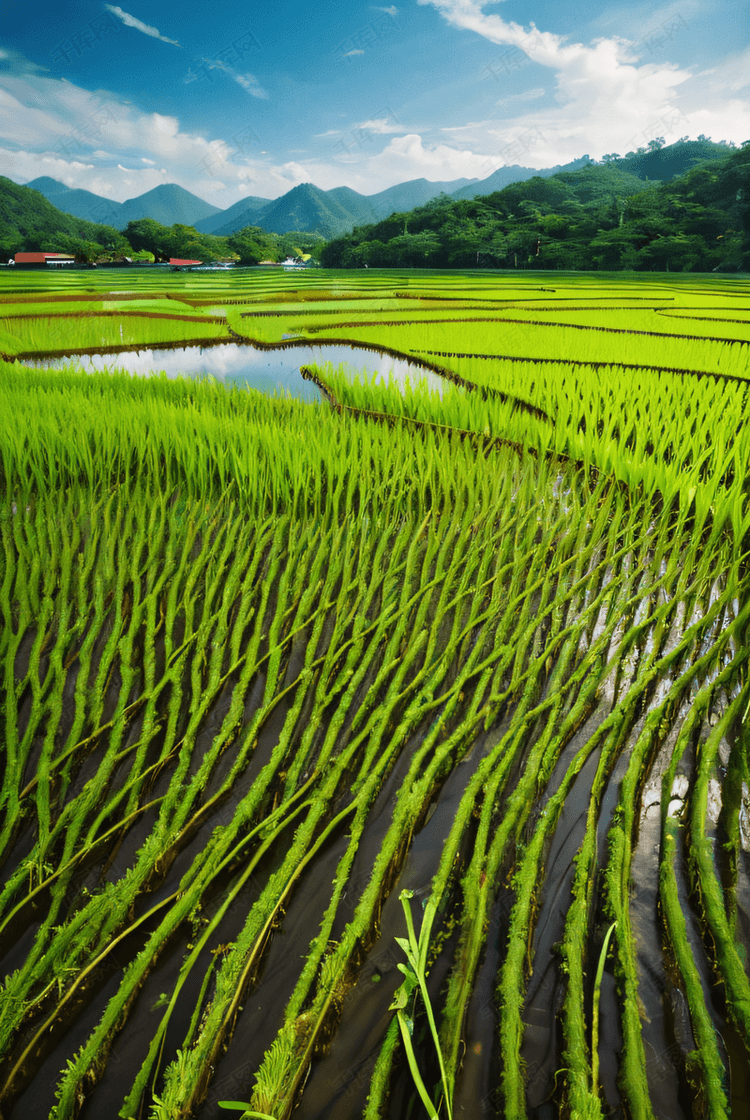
(176, 262)
(44, 258)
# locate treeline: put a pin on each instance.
(601, 217)
(30, 223)
(604, 216)
(248, 246)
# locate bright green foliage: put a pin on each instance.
(679, 208)
(245, 1109)
(268, 668)
(415, 976)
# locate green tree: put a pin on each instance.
(252, 245)
(145, 233)
(81, 249)
(613, 249)
(602, 216)
(416, 249)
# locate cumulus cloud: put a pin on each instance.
(406, 157)
(605, 98)
(24, 123)
(52, 127)
(413, 158)
(50, 115)
(392, 11)
(131, 21)
(599, 100)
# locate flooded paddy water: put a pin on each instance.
(239, 727)
(268, 370)
(338, 1081)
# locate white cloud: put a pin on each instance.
(527, 95)
(55, 128)
(22, 167)
(392, 11)
(219, 182)
(248, 81)
(641, 19)
(403, 158)
(16, 117)
(469, 126)
(414, 159)
(601, 102)
(250, 84)
(15, 61)
(349, 54)
(131, 21)
(606, 99)
(382, 126)
(731, 76)
(53, 116)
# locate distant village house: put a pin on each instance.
(43, 260)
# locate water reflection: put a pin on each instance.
(270, 371)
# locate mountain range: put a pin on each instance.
(304, 207)
(337, 211)
(166, 203)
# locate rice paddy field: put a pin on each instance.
(384, 755)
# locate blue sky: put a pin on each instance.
(248, 99)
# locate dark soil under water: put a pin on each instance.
(338, 1082)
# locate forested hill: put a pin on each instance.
(601, 217)
(29, 222)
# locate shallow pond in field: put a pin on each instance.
(269, 371)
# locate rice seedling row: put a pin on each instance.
(267, 666)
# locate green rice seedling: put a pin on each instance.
(182, 903)
(705, 1058)
(156, 1046)
(471, 907)
(415, 975)
(730, 965)
(113, 330)
(374, 882)
(595, 1008)
(451, 408)
(247, 1111)
(617, 878)
(285, 615)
